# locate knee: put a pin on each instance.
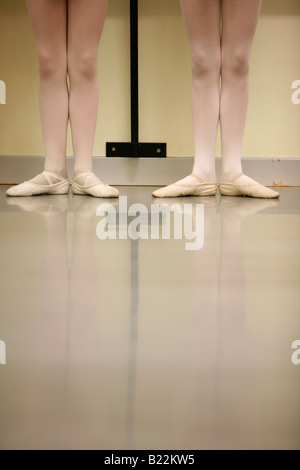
(51, 66)
(236, 63)
(82, 66)
(204, 64)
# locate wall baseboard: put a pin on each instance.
(153, 171)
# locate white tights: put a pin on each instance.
(67, 34)
(220, 36)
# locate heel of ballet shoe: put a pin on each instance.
(61, 188)
(228, 189)
(206, 189)
(76, 189)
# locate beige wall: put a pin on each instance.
(273, 120)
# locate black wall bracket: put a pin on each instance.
(135, 148)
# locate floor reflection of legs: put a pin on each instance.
(38, 272)
(86, 380)
(234, 407)
(195, 390)
(49, 380)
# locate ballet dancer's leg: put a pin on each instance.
(85, 25)
(202, 21)
(239, 20)
(49, 22)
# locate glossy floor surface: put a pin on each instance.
(117, 342)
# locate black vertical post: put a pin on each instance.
(135, 148)
(134, 72)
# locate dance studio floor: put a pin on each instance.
(149, 343)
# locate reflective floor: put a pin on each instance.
(117, 342)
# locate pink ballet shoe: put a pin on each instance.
(179, 190)
(249, 190)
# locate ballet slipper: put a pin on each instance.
(179, 190)
(250, 190)
(32, 189)
(96, 190)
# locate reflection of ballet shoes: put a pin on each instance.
(250, 190)
(96, 190)
(41, 205)
(32, 189)
(179, 190)
(88, 206)
(208, 202)
(244, 207)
